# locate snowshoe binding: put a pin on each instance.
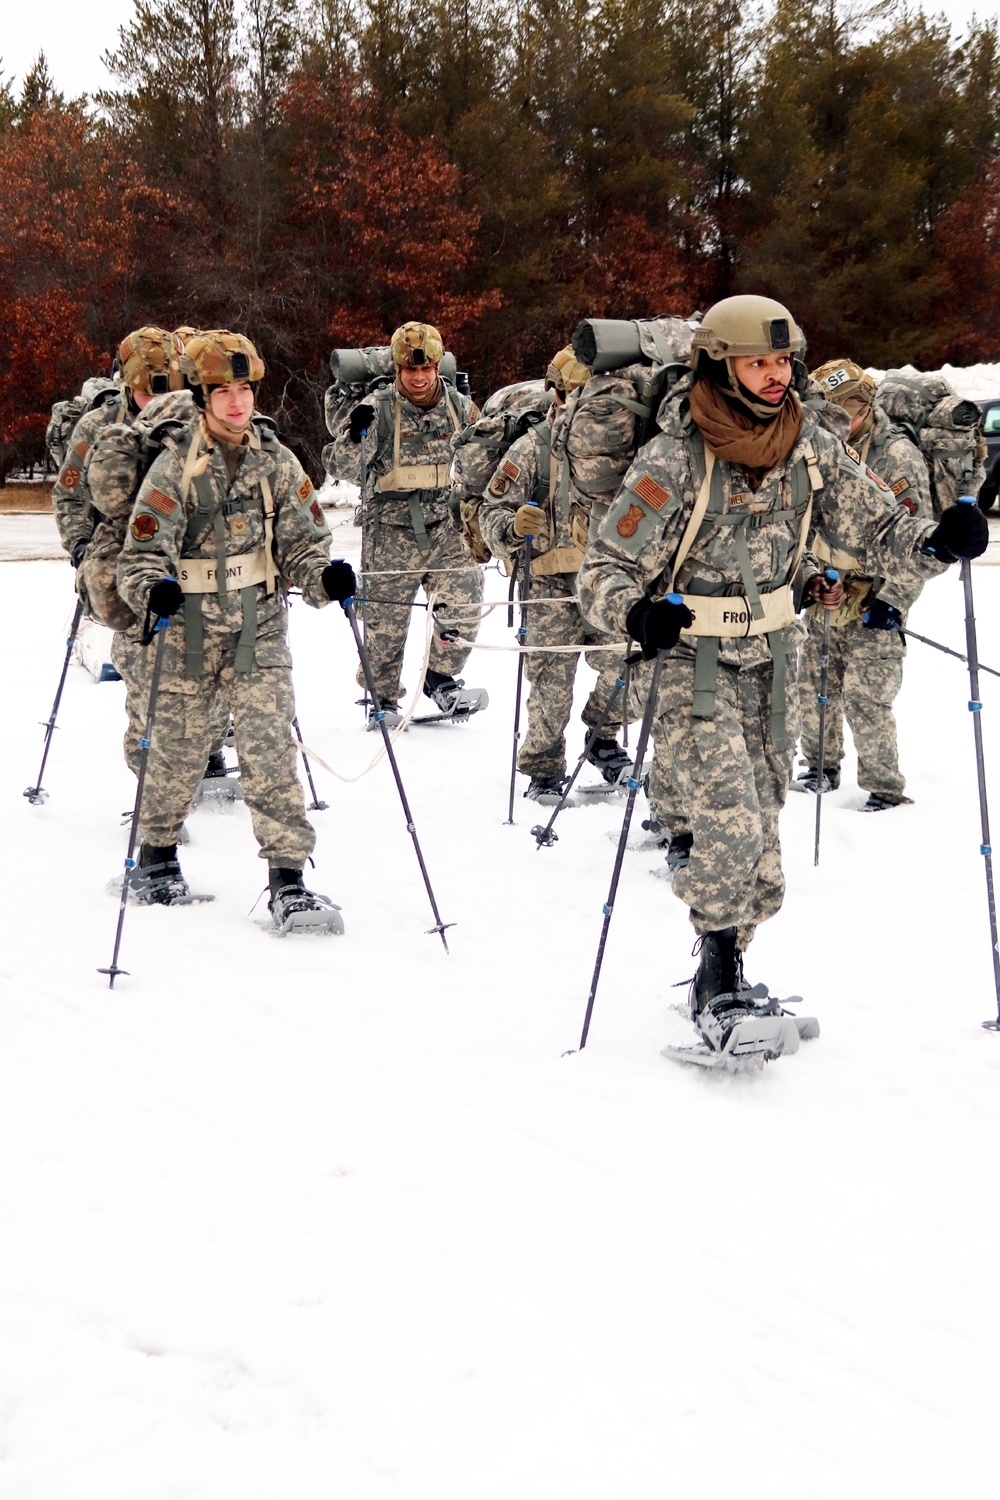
(453, 700)
(220, 785)
(157, 879)
(882, 801)
(740, 1027)
(610, 759)
(294, 909)
(808, 780)
(388, 714)
(546, 789)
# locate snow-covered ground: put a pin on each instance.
(338, 1218)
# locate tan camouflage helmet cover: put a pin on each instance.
(149, 361)
(185, 333)
(842, 381)
(220, 358)
(416, 344)
(565, 372)
(746, 327)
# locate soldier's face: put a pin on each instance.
(141, 398)
(417, 380)
(768, 376)
(230, 406)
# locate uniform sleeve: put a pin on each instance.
(70, 494)
(631, 548)
(301, 535)
(155, 534)
(511, 486)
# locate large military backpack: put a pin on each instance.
(506, 416)
(946, 428)
(361, 372)
(65, 415)
(635, 365)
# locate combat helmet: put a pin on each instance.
(219, 358)
(565, 373)
(743, 327)
(843, 381)
(416, 344)
(148, 361)
(185, 333)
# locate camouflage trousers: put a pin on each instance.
(664, 801)
(187, 717)
(393, 552)
(731, 780)
(131, 660)
(552, 676)
(866, 674)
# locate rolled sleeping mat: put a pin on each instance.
(362, 366)
(607, 343)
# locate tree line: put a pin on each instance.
(314, 172)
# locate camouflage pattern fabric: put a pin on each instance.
(866, 666)
(260, 697)
(479, 447)
(71, 500)
(729, 776)
(386, 610)
(518, 481)
(390, 541)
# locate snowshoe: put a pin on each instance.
(294, 909)
(737, 1032)
(220, 785)
(807, 780)
(610, 759)
(454, 701)
(881, 802)
(157, 879)
(545, 789)
(678, 854)
(389, 715)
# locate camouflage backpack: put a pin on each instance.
(505, 417)
(946, 428)
(65, 415)
(358, 372)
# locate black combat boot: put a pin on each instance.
(610, 759)
(157, 879)
(295, 909)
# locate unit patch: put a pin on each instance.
(316, 511)
(852, 453)
(510, 468)
(144, 528)
(499, 485)
(876, 480)
(629, 523)
(157, 500)
(70, 477)
(910, 505)
(237, 524)
(304, 490)
(654, 494)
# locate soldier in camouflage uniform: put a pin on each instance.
(529, 496)
(714, 514)
(227, 514)
(866, 645)
(71, 502)
(411, 539)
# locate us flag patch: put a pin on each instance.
(510, 468)
(654, 494)
(157, 500)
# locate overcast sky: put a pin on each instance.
(74, 34)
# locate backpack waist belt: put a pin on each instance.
(408, 478)
(733, 617)
(200, 575)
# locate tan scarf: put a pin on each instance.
(432, 397)
(737, 438)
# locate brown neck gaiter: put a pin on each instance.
(432, 397)
(735, 437)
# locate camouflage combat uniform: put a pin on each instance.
(530, 474)
(231, 641)
(71, 500)
(410, 537)
(866, 666)
(720, 717)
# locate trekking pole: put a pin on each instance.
(522, 635)
(909, 634)
(35, 794)
(315, 805)
(832, 576)
(627, 674)
(976, 708)
(160, 631)
(545, 836)
(363, 455)
(366, 667)
(634, 783)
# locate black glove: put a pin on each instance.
(881, 616)
(962, 531)
(165, 598)
(79, 548)
(361, 421)
(657, 623)
(339, 580)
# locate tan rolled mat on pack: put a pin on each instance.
(200, 575)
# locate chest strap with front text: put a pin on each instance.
(407, 479)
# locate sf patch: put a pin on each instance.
(629, 523)
(144, 528)
(900, 486)
(304, 490)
